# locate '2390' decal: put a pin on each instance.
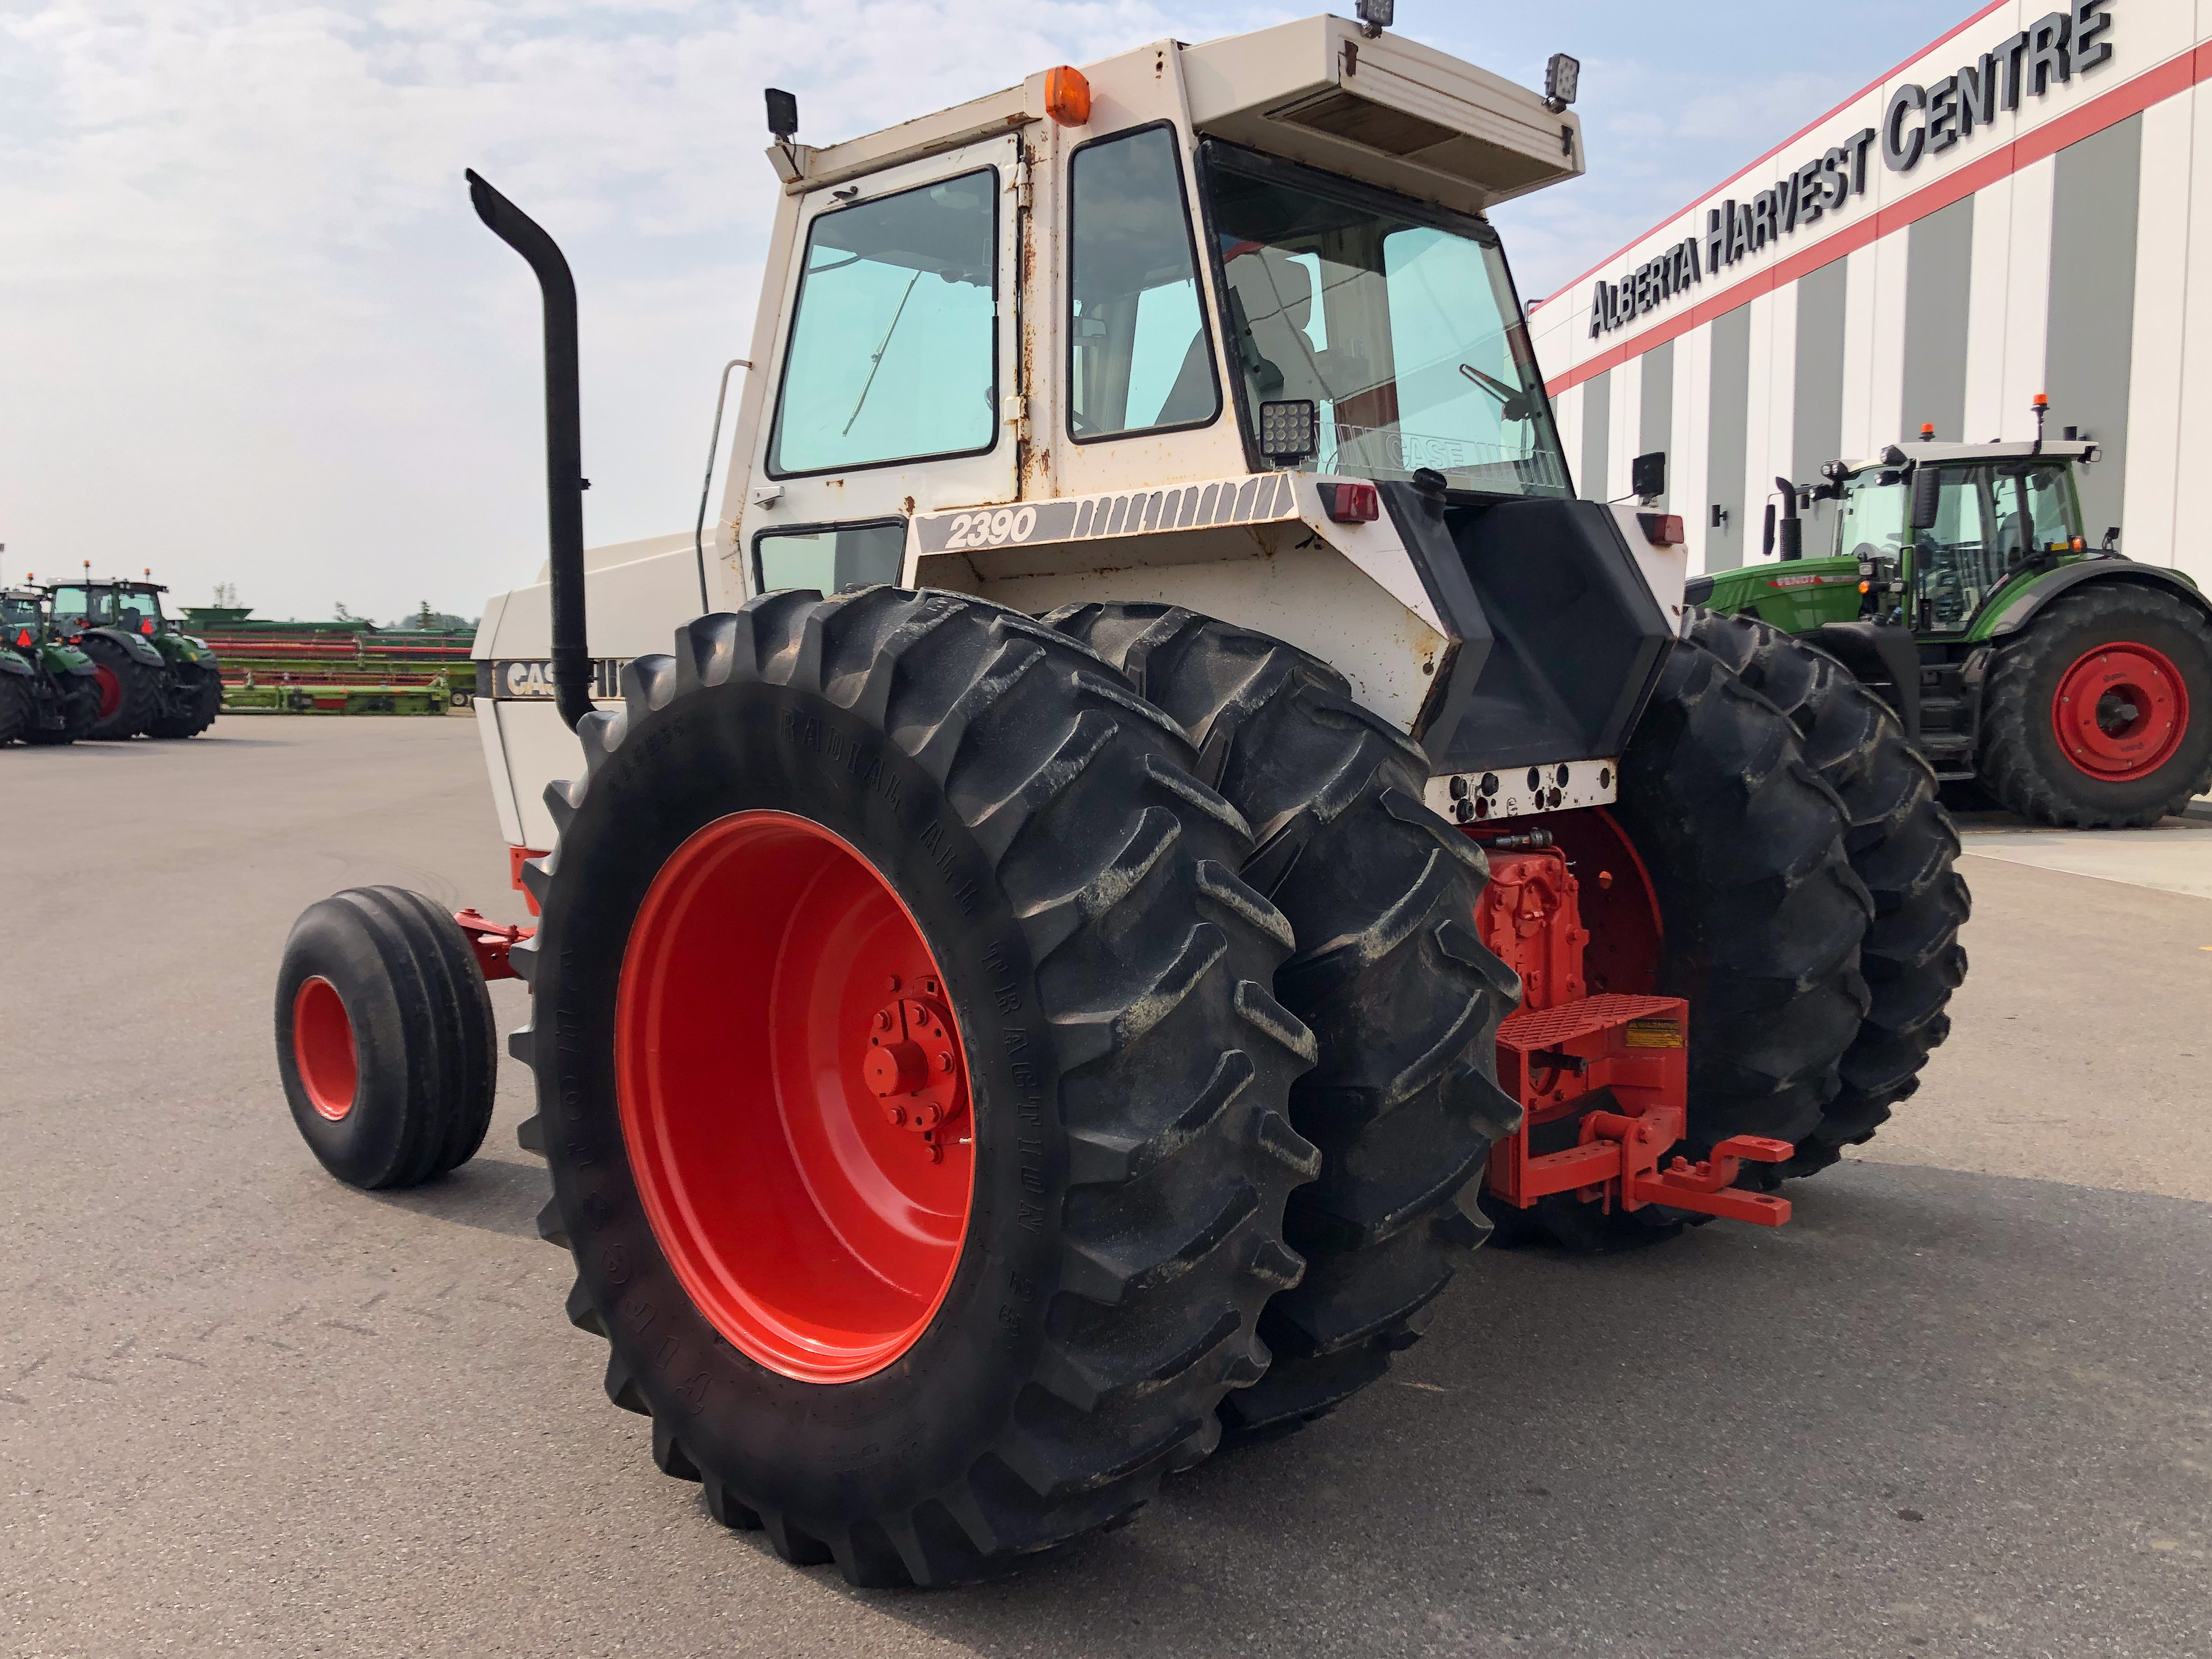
(991, 527)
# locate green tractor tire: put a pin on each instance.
(130, 690)
(17, 708)
(2101, 716)
(193, 707)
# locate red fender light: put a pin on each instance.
(1661, 529)
(1352, 503)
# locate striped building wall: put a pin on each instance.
(2055, 247)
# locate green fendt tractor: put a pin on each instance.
(49, 692)
(153, 678)
(2071, 682)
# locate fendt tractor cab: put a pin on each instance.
(2071, 682)
(1165, 821)
(49, 692)
(153, 678)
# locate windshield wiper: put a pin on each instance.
(877, 361)
(1513, 403)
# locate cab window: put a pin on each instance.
(1139, 358)
(1958, 564)
(893, 353)
(2033, 511)
(830, 558)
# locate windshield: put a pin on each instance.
(1872, 523)
(1403, 330)
(100, 606)
(17, 612)
(1989, 520)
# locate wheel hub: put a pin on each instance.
(2120, 711)
(794, 1096)
(912, 1061)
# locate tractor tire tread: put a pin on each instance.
(1402, 1000)
(1175, 1066)
(1901, 843)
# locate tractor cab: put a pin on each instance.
(134, 607)
(1996, 515)
(23, 624)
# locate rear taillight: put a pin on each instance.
(1661, 529)
(1352, 503)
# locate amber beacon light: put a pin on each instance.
(1068, 96)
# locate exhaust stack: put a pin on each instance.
(564, 443)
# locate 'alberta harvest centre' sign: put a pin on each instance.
(1918, 121)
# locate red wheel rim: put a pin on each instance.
(793, 1095)
(322, 1048)
(2120, 711)
(111, 690)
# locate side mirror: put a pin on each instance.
(1647, 476)
(1927, 486)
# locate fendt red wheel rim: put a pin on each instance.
(778, 1144)
(111, 690)
(2120, 711)
(323, 1048)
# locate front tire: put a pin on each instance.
(2101, 716)
(848, 784)
(1403, 998)
(201, 701)
(385, 1039)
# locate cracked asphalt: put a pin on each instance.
(1958, 1407)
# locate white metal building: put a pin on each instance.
(2023, 206)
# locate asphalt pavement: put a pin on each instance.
(1959, 1405)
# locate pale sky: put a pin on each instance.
(251, 332)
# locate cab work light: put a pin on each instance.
(1290, 430)
(1068, 96)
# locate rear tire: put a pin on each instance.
(17, 710)
(385, 1038)
(1402, 996)
(80, 702)
(1761, 917)
(2025, 760)
(203, 701)
(1902, 845)
(130, 690)
(1128, 1071)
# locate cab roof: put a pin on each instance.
(1387, 112)
(2066, 449)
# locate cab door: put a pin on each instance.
(897, 359)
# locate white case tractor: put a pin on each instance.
(1163, 824)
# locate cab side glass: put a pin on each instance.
(1139, 357)
(894, 334)
(830, 557)
(1958, 565)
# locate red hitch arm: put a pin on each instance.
(491, 941)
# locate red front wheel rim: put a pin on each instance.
(2120, 711)
(794, 1098)
(111, 690)
(323, 1048)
